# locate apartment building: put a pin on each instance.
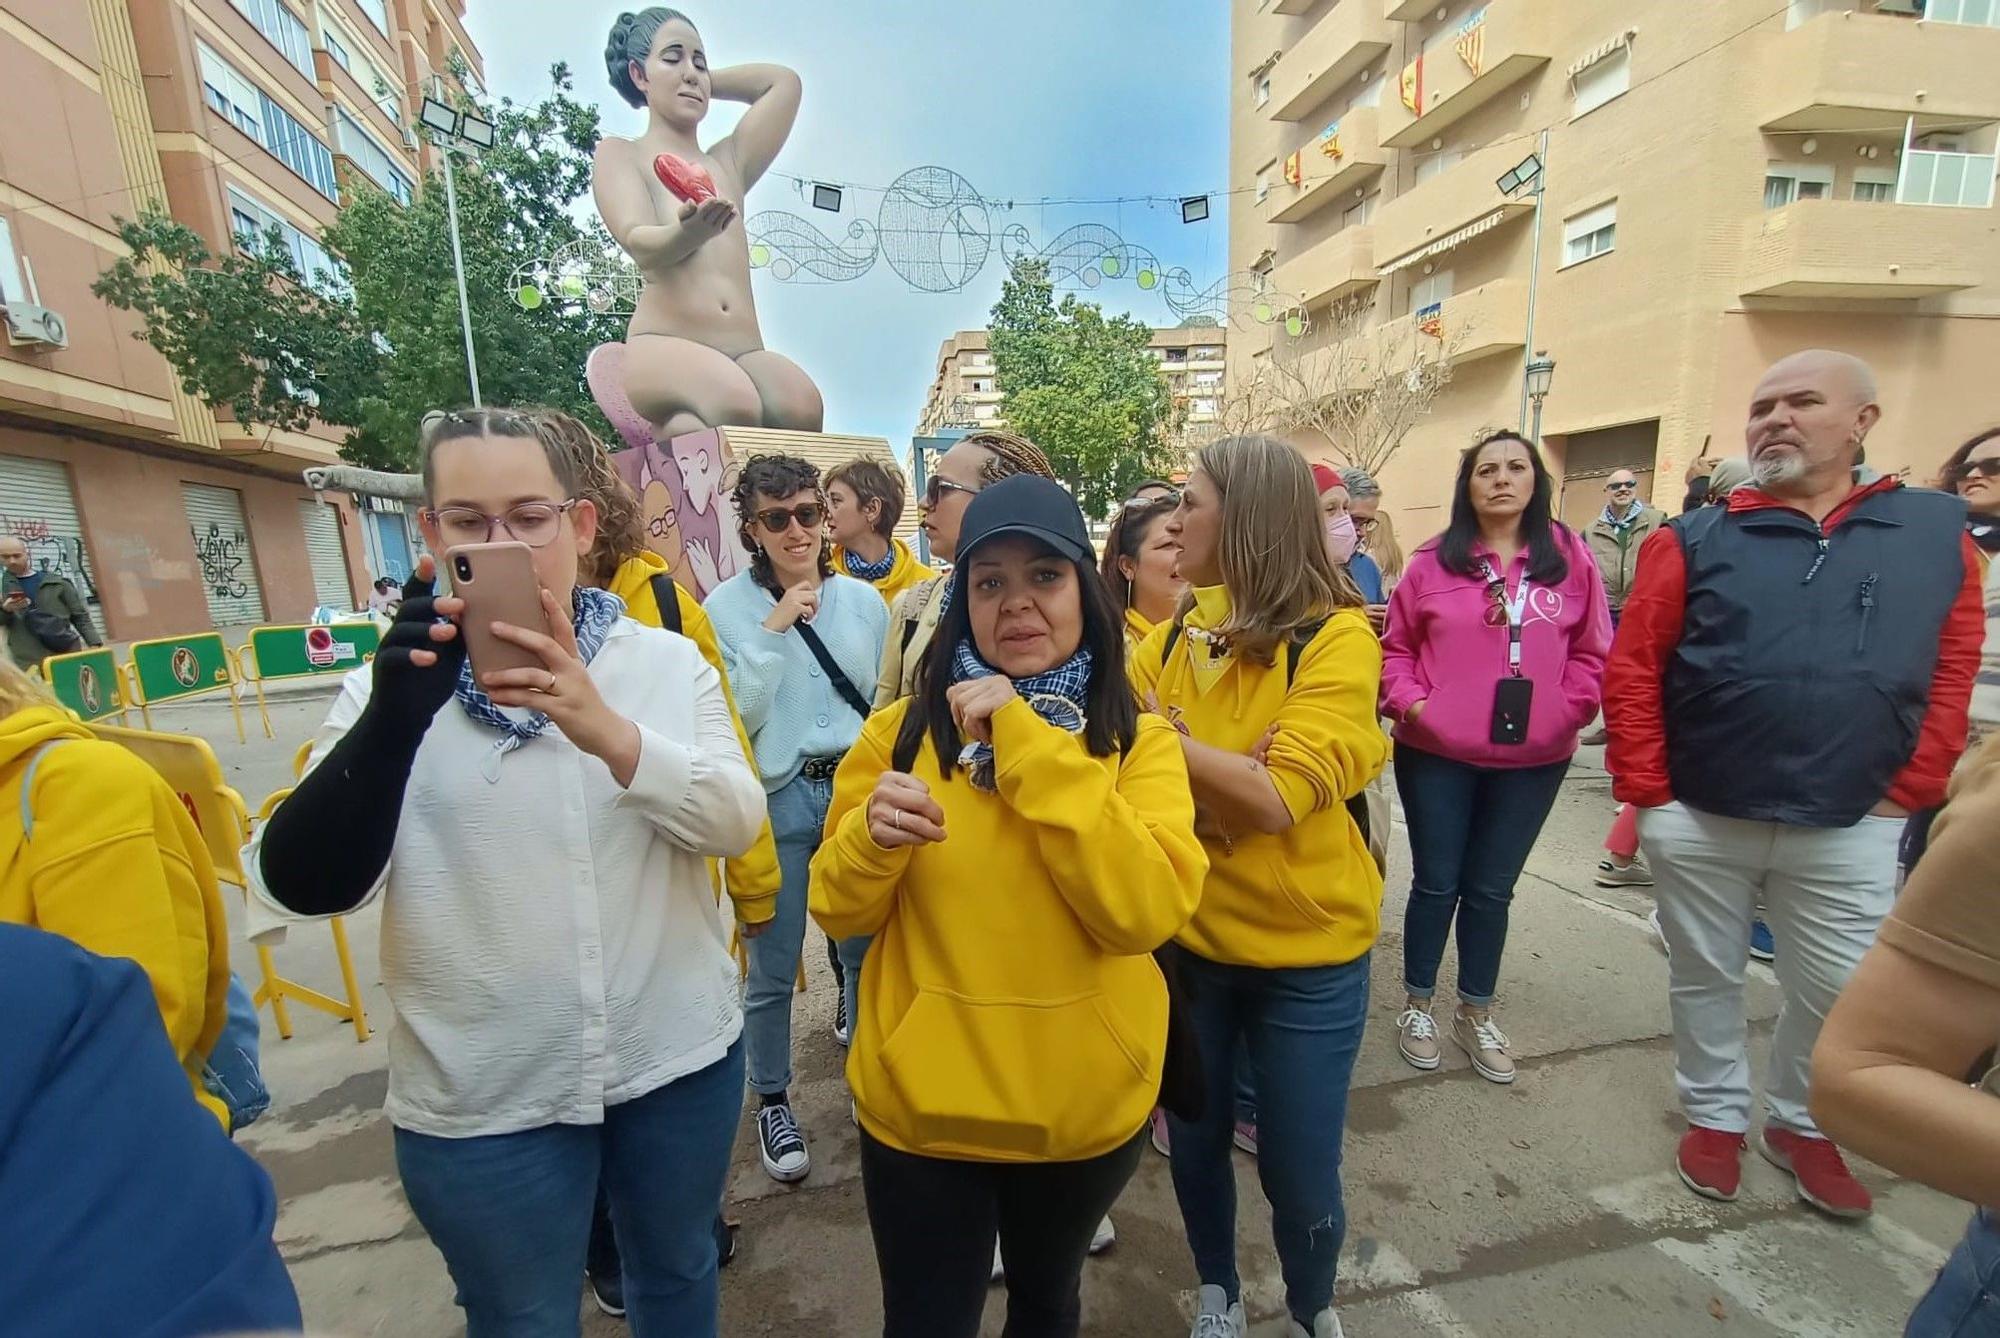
(1721, 183)
(235, 116)
(965, 392)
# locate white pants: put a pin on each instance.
(1825, 891)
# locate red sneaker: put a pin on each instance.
(1822, 1175)
(1710, 1162)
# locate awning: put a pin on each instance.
(1445, 243)
(1599, 52)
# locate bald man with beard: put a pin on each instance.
(1790, 680)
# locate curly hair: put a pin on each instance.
(775, 476)
(631, 39)
(621, 526)
(1012, 454)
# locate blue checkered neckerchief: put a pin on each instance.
(868, 571)
(1056, 696)
(592, 614)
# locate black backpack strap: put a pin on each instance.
(1173, 635)
(666, 594)
(1295, 646)
(841, 684)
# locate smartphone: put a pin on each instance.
(1512, 698)
(499, 585)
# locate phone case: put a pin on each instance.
(1512, 698)
(498, 584)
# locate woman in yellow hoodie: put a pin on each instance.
(1018, 841)
(95, 847)
(864, 502)
(1269, 672)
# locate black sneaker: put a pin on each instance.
(608, 1290)
(725, 1241)
(841, 1032)
(781, 1144)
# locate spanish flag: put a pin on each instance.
(1413, 85)
(1292, 169)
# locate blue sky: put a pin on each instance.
(1027, 99)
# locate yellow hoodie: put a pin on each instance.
(1010, 1010)
(1311, 895)
(117, 867)
(906, 573)
(752, 880)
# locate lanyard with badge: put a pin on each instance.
(1514, 694)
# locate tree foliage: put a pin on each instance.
(1081, 385)
(380, 344)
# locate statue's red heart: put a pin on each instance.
(690, 181)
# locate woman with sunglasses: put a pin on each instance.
(801, 643)
(1140, 560)
(1973, 472)
(1493, 660)
(1018, 841)
(565, 1003)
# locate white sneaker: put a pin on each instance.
(1326, 1324)
(1105, 1237)
(1610, 873)
(1218, 1318)
(781, 1145)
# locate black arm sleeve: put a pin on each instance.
(329, 841)
(1697, 495)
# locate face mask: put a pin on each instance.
(1341, 538)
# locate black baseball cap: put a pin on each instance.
(1026, 504)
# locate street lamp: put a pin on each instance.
(1541, 370)
(454, 131)
(1529, 178)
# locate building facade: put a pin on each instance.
(235, 116)
(966, 392)
(1721, 184)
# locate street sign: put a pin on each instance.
(87, 682)
(308, 650)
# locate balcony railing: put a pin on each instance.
(1338, 267)
(1487, 52)
(1477, 323)
(1863, 251)
(1331, 163)
(1345, 41)
(1848, 72)
(1462, 195)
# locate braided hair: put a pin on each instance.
(1010, 454)
(621, 526)
(631, 39)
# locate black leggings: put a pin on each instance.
(934, 1222)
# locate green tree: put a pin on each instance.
(376, 345)
(1081, 385)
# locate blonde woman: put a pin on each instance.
(1379, 542)
(1270, 672)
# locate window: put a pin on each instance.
(252, 111)
(283, 29)
(252, 224)
(1177, 355)
(367, 153)
(1599, 83)
(985, 412)
(1964, 180)
(338, 50)
(1978, 13)
(377, 12)
(11, 287)
(1263, 89)
(1430, 289)
(1208, 378)
(1438, 163)
(1785, 183)
(1205, 404)
(979, 385)
(1264, 182)
(1361, 214)
(1875, 185)
(230, 93)
(1590, 234)
(1371, 93)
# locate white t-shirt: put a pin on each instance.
(551, 942)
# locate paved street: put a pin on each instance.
(1475, 1211)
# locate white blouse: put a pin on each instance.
(551, 942)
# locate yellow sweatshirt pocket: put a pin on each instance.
(1013, 1078)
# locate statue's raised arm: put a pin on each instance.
(695, 357)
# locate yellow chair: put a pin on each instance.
(189, 765)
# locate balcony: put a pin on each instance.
(1294, 6)
(1847, 72)
(1407, 11)
(1482, 322)
(1514, 44)
(1336, 268)
(1457, 198)
(1329, 177)
(1344, 42)
(1857, 250)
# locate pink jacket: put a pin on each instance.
(1439, 649)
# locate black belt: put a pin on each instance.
(821, 768)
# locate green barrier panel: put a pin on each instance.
(87, 682)
(306, 651)
(181, 666)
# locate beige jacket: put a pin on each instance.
(913, 620)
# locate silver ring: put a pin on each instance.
(897, 821)
(550, 689)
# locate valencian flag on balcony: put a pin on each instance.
(1292, 170)
(1430, 320)
(1413, 85)
(1471, 41)
(1329, 141)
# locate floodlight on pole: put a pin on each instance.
(1523, 177)
(826, 197)
(1529, 178)
(1194, 209)
(454, 132)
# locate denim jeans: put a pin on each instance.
(231, 1072)
(1301, 1028)
(511, 1212)
(851, 953)
(798, 816)
(1471, 829)
(1964, 1302)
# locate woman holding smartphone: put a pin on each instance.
(1493, 660)
(1269, 672)
(801, 642)
(1018, 842)
(565, 999)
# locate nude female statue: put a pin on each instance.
(694, 356)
